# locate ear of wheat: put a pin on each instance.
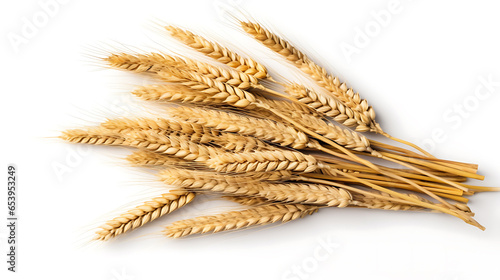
(259, 215)
(218, 52)
(145, 213)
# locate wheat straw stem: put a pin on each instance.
(402, 172)
(432, 165)
(455, 213)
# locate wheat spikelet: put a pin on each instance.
(259, 215)
(267, 130)
(140, 215)
(264, 161)
(316, 72)
(218, 52)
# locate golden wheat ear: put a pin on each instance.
(255, 216)
(218, 52)
(145, 213)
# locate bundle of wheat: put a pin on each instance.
(283, 157)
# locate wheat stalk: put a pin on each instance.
(259, 215)
(218, 52)
(145, 213)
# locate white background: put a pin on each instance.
(426, 60)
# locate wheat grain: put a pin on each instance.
(259, 215)
(140, 215)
